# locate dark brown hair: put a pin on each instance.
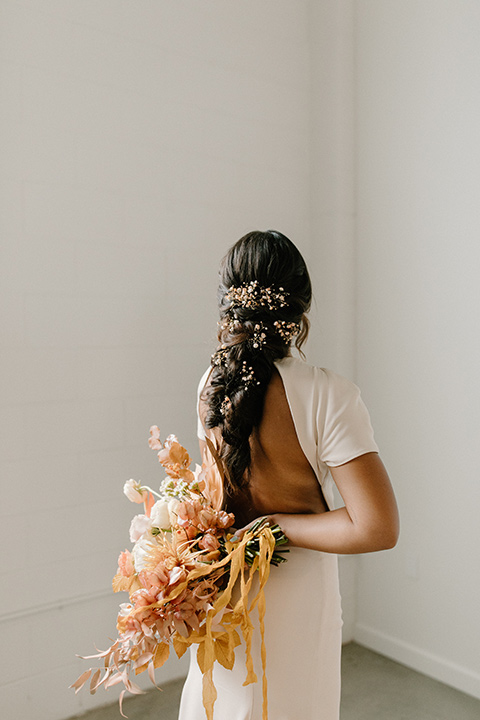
(234, 406)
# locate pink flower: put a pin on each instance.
(207, 517)
(125, 621)
(134, 491)
(161, 574)
(142, 599)
(184, 531)
(152, 581)
(188, 511)
(208, 542)
(225, 520)
(125, 564)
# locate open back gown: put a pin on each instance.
(303, 617)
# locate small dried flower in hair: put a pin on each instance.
(252, 295)
(259, 336)
(230, 324)
(226, 406)
(286, 330)
(248, 376)
(219, 356)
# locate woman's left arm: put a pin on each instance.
(368, 522)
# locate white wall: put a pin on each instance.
(418, 315)
(139, 140)
(333, 214)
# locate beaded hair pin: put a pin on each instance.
(252, 295)
(248, 378)
(286, 330)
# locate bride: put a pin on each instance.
(286, 431)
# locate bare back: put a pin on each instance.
(281, 478)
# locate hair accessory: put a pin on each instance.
(253, 296)
(248, 376)
(286, 330)
(230, 324)
(226, 406)
(259, 336)
(218, 357)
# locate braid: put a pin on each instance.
(263, 295)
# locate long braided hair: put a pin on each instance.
(263, 295)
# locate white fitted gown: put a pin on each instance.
(303, 617)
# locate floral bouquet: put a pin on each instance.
(180, 575)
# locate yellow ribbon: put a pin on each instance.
(220, 645)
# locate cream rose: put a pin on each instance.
(159, 515)
(172, 510)
(141, 551)
(139, 526)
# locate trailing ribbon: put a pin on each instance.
(220, 646)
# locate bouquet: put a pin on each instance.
(180, 575)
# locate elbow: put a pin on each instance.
(380, 537)
(389, 542)
(393, 531)
(387, 537)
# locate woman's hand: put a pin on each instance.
(268, 520)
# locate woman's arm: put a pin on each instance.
(368, 522)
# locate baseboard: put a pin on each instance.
(417, 658)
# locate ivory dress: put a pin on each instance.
(303, 617)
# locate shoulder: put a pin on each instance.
(326, 380)
(338, 384)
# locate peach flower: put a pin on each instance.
(207, 517)
(225, 520)
(125, 564)
(208, 541)
(154, 439)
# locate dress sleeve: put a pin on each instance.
(347, 430)
(201, 385)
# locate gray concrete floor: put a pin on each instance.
(373, 688)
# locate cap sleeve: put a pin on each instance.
(201, 385)
(347, 430)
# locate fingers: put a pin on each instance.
(254, 525)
